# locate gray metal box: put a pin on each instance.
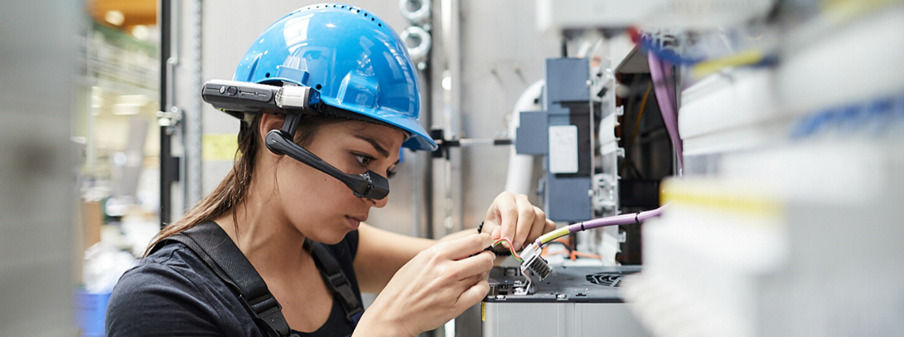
(572, 302)
(566, 80)
(532, 133)
(567, 199)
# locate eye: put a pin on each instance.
(391, 172)
(363, 159)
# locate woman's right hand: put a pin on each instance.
(435, 286)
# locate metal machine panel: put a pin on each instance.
(532, 134)
(566, 80)
(573, 302)
(567, 199)
(560, 319)
(566, 195)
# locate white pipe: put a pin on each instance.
(521, 166)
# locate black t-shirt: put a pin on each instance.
(173, 293)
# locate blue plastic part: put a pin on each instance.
(91, 310)
(867, 118)
(565, 196)
(567, 78)
(532, 135)
(354, 60)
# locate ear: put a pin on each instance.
(269, 121)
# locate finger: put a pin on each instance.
(496, 232)
(474, 265)
(470, 280)
(460, 271)
(508, 214)
(490, 226)
(464, 246)
(472, 295)
(539, 225)
(525, 220)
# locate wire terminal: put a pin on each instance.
(533, 262)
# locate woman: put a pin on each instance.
(269, 205)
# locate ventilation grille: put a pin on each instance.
(605, 279)
(364, 14)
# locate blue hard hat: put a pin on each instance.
(354, 60)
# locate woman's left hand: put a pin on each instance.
(513, 217)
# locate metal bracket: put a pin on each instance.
(169, 118)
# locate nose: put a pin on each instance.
(380, 203)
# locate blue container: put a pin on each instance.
(91, 309)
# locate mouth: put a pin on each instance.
(353, 221)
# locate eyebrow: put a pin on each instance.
(374, 143)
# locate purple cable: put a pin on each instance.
(668, 104)
(624, 219)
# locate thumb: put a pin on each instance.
(496, 231)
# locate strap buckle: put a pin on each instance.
(342, 286)
(267, 309)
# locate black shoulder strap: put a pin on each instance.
(218, 251)
(337, 281)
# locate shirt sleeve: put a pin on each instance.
(156, 300)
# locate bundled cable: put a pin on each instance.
(624, 219)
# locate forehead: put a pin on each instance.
(388, 137)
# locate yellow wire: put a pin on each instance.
(740, 59)
(845, 10)
(643, 106)
(553, 235)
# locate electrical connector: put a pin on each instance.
(533, 262)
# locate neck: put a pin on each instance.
(266, 238)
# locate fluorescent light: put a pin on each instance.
(127, 105)
(125, 110)
(141, 32)
(115, 17)
(134, 99)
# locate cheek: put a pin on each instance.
(312, 200)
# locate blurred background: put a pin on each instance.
(772, 128)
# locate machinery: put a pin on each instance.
(573, 301)
(786, 171)
(783, 165)
(584, 162)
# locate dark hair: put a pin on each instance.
(233, 189)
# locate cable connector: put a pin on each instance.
(533, 262)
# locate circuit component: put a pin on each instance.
(533, 262)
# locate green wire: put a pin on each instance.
(511, 249)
